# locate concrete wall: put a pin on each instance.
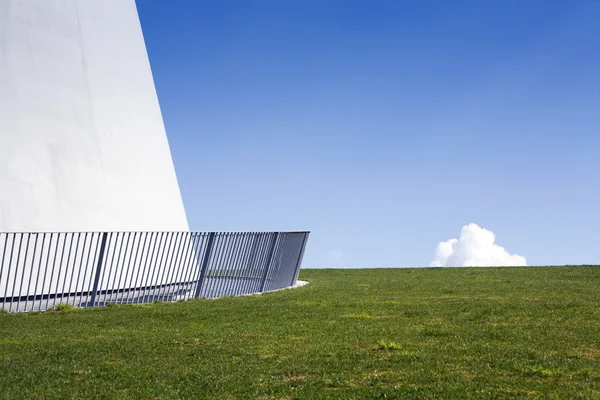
(82, 141)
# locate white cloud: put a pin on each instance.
(475, 247)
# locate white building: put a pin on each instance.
(82, 141)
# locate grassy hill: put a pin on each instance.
(386, 333)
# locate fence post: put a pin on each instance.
(269, 259)
(252, 256)
(98, 269)
(204, 266)
(299, 262)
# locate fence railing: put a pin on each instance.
(39, 271)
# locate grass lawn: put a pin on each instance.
(387, 333)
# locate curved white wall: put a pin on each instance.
(82, 141)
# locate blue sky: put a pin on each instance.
(384, 127)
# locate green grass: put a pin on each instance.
(66, 307)
(383, 345)
(363, 334)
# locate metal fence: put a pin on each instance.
(39, 271)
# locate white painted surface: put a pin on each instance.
(82, 141)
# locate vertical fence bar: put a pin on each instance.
(17, 273)
(109, 266)
(196, 264)
(230, 239)
(217, 251)
(52, 272)
(151, 265)
(67, 266)
(113, 240)
(293, 259)
(99, 268)
(147, 267)
(6, 235)
(58, 277)
(167, 275)
(232, 269)
(241, 263)
(196, 241)
(238, 270)
(204, 265)
(258, 261)
(114, 270)
(30, 272)
(272, 264)
(285, 268)
(217, 276)
(188, 245)
(111, 249)
(39, 270)
(130, 260)
(233, 240)
(254, 260)
(160, 252)
(131, 267)
(269, 259)
(12, 250)
(254, 249)
(173, 279)
(231, 264)
(85, 238)
(162, 267)
(233, 275)
(118, 288)
(134, 282)
(88, 264)
(176, 267)
(296, 261)
(299, 261)
(174, 254)
(278, 262)
(250, 250)
(183, 262)
(45, 273)
(282, 264)
(74, 266)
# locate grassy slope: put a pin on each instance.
(481, 333)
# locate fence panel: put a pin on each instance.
(40, 270)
